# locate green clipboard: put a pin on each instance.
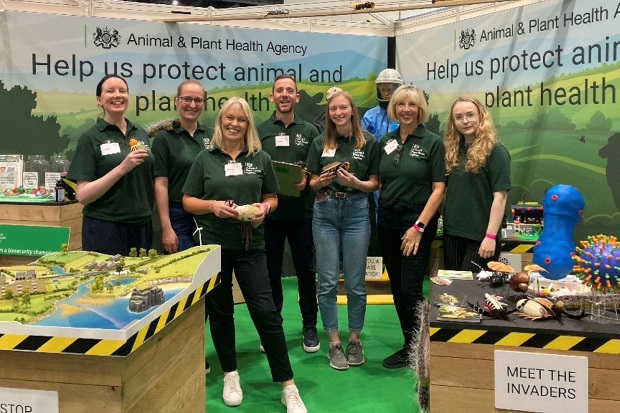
(288, 174)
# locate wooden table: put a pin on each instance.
(462, 355)
(154, 364)
(55, 214)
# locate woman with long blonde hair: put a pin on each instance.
(343, 164)
(478, 181)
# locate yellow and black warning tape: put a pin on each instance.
(102, 347)
(548, 341)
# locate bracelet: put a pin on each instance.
(490, 236)
(211, 206)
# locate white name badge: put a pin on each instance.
(233, 169)
(329, 153)
(110, 148)
(391, 146)
(282, 140)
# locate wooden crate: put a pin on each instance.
(164, 375)
(462, 378)
(54, 215)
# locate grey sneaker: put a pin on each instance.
(337, 359)
(355, 353)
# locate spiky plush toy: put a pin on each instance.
(597, 262)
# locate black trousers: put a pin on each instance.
(251, 272)
(458, 254)
(113, 238)
(299, 234)
(406, 273)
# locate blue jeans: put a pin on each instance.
(183, 225)
(341, 227)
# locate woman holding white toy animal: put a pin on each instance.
(230, 188)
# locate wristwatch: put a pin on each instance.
(419, 226)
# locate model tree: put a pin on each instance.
(133, 252)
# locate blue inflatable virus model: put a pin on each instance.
(597, 263)
(562, 208)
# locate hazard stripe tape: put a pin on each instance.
(520, 339)
(100, 347)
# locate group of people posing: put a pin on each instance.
(200, 176)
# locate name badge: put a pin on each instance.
(391, 146)
(282, 140)
(110, 148)
(329, 153)
(233, 169)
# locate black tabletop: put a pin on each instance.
(474, 292)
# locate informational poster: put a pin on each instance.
(50, 66)
(548, 73)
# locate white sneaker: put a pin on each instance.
(232, 394)
(292, 400)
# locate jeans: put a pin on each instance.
(299, 234)
(251, 271)
(183, 225)
(406, 273)
(341, 227)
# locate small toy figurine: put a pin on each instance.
(364, 5)
(135, 144)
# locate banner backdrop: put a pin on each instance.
(549, 75)
(50, 65)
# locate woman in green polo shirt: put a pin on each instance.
(340, 223)
(175, 147)
(235, 172)
(114, 173)
(412, 178)
(478, 170)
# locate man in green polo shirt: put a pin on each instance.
(287, 138)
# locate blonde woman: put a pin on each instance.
(478, 181)
(412, 174)
(234, 171)
(340, 223)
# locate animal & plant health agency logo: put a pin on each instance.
(467, 39)
(106, 37)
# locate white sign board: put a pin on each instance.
(28, 401)
(544, 383)
(374, 268)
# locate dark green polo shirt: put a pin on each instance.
(364, 162)
(469, 196)
(300, 136)
(207, 180)
(407, 173)
(175, 151)
(99, 150)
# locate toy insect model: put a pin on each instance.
(543, 309)
(333, 167)
(492, 307)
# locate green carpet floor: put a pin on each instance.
(365, 389)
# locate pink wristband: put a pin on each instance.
(490, 236)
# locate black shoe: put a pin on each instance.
(311, 340)
(207, 367)
(397, 360)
